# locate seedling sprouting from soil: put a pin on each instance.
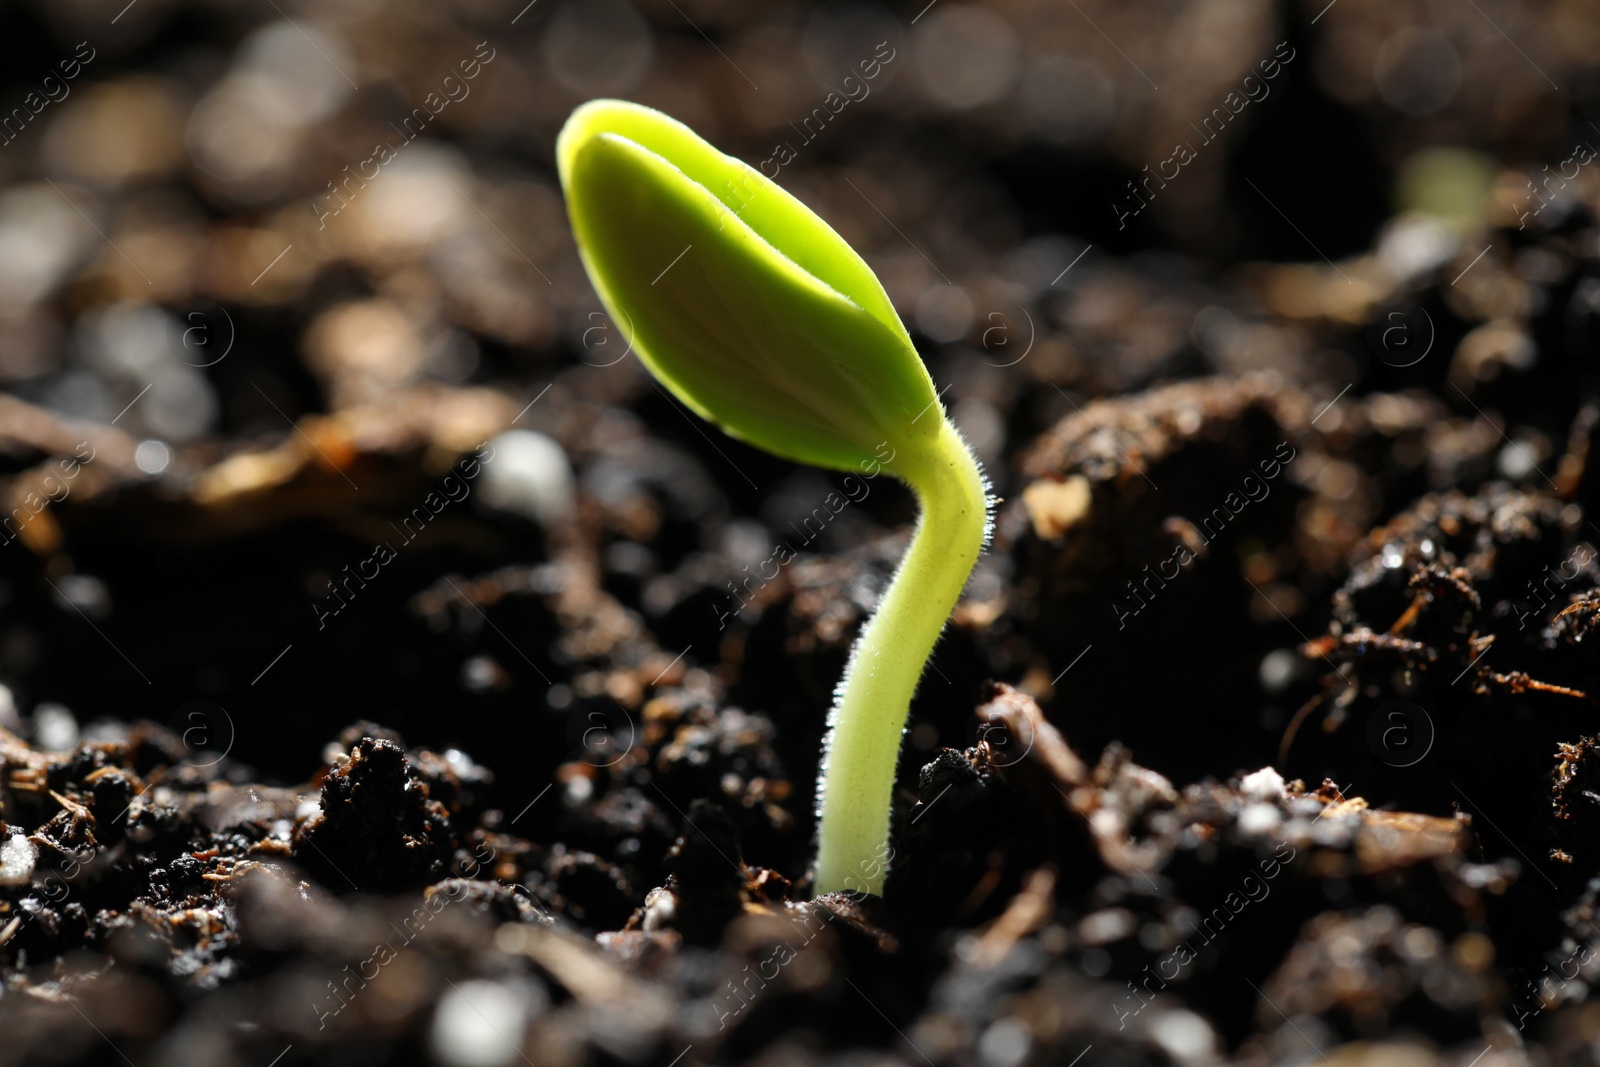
(758, 316)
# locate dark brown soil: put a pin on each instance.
(1266, 732)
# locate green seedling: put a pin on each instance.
(758, 316)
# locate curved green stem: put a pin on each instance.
(874, 699)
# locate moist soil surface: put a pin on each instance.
(1221, 758)
(463, 716)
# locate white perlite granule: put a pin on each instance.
(17, 857)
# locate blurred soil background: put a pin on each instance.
(1274, 324)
